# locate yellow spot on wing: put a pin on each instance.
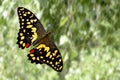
(34, 37)
(52, 65)
(24, 30)
(31, 16)
(22, 19)
(50, 56)
(22, 23)
(56, 63)
(24, 15)
(21, 42)
(28, 22)
(31, 55)
(54, 54)
(41, 46)
(27, 19)
(29, 26)
(60, 60)
(38, 58)
(60, 68)
(22, 37)
(47, 49)
(21, 9)
(41, 57)
(47, 54)
(35, 20)
(56, 51)
(50, 62)
(33, 58)
(28, 12)
(33, 29)
(21, 34)
(55, 67)
(31, 20)
(58, 56)
(47, 61)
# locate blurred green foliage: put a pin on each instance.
(87, 34)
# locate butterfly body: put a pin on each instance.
(31, 32)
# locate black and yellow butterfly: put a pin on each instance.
(31, 32)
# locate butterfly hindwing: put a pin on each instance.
(30, 28)
(44, 54)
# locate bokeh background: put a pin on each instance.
(87, 33)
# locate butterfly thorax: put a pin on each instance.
(42, 39)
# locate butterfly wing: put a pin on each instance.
(32, 32)
(46, 52)
(30, 28)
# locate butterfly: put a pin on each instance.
(31, 32)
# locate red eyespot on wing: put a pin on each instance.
(32, 51)
(27, 45)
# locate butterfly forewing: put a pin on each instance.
(30, 28)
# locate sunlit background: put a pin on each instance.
(87, 33)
